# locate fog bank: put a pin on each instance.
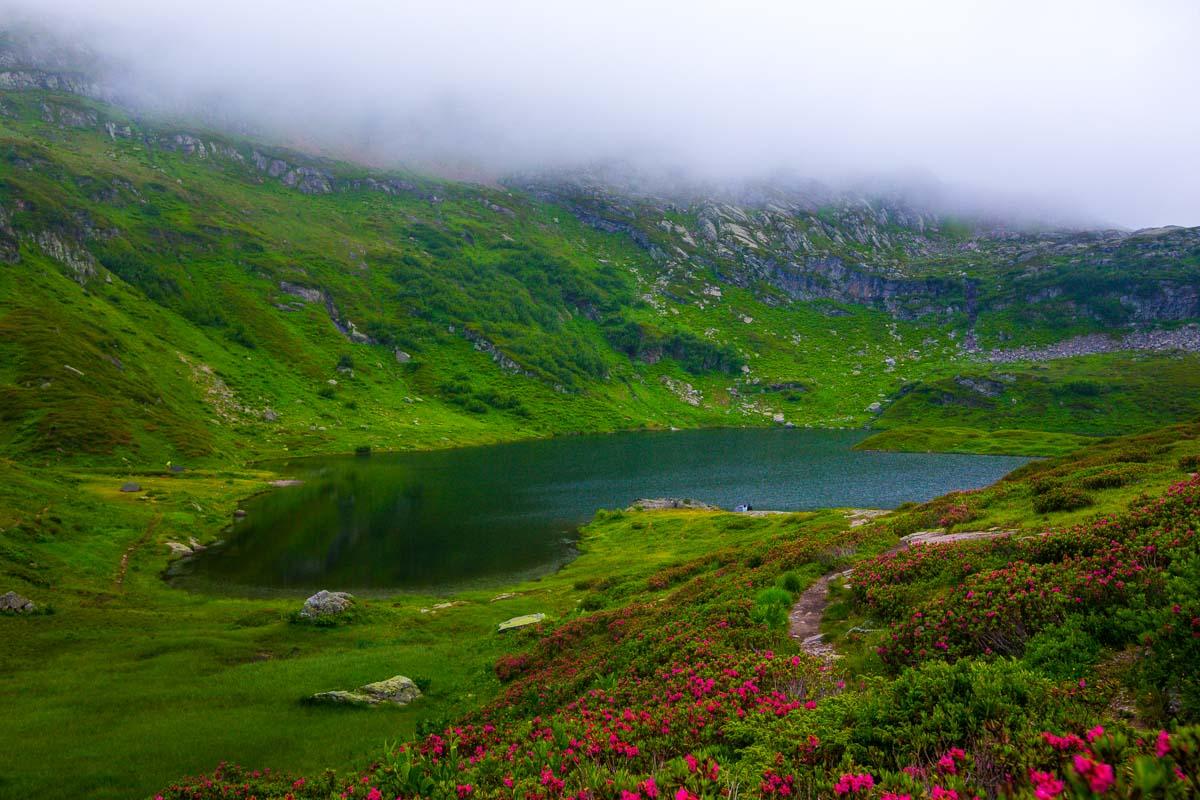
(1086, 108)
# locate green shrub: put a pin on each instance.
(790, 582)
(771, 607)
(1063, 652)
(1109, 478)
(593, 602)
(1062, 498)
(1190, 463)
(936, 705)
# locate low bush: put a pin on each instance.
(1062, 498)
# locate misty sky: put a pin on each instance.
(1090, 108)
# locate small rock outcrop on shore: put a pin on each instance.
(131, 487)
(660, 503)
(399, 690)
(326, 604)
(15, 603)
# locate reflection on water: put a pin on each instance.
(440, 521)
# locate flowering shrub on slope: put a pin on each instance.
(1125, 571)
(688, 697)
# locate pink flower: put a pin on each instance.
(507, 781)
(810, 705)
(851, 783)
(298, 783)
(1045, 785)
(692, 763)
(650, 788)
(684, 794)
(464, 789)
(1098, 775)
(895, 796)
(939, 793)
(628, 795)
(375, 794)
(1162, 745)
(1095, 733)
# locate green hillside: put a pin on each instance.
(173, 296)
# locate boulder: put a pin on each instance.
(131, 487)
(326, 604)
(269, 415)
(522, 621)
(14, 602)
(397, 691)
(402, 357)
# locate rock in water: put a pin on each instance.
(519, 622)
(15, 602)
(398, 691)
(326, 604)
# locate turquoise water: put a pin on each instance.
(446, 520)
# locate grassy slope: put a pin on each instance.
(191, 252)
(214, 679)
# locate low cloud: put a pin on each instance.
(1087, 108)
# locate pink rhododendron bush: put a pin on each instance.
(1061, 664)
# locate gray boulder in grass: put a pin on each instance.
(399, 690)
(11, 601)
(326, 604)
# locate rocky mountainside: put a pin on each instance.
(169, 288)
(788, 241)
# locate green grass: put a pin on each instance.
(184, 336)
(146, 682)
(972, 440)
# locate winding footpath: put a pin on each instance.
(804, 621)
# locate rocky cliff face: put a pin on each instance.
(790, 242)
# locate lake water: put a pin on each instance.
(446, 520)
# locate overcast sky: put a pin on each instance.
(1088, 107)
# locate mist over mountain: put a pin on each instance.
(1070, 114)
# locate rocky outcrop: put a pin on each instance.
(307, 180)
(1186, 338)
(26, 79)
(396, 691)
(344, 325)
(10, 246)
(79, 261)
(663, 503)
(13, 603)
(305, 293)
(68, 117)
(506, 363)
(326, 604)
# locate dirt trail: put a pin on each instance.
(145, 537)
(804, 621)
